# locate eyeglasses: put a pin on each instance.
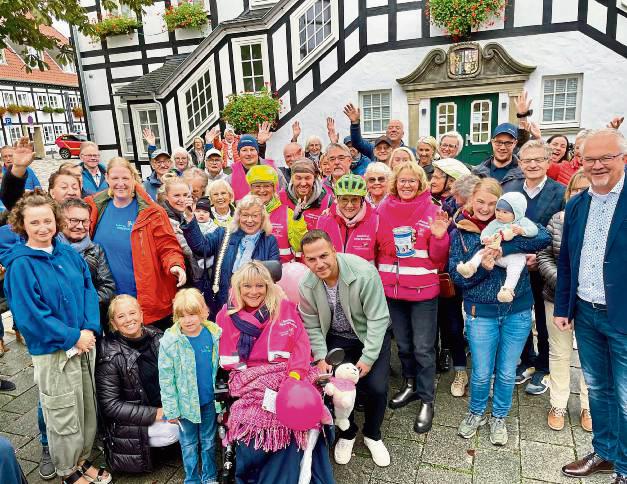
(89, 155)
(162, 162)
(75, 222)
(374, 179)
(605, 160)
(507, 144)
(448, 146)
(528, 161)
(347, 200)
(408, 181)
(332, 159)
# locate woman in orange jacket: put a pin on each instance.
(145, 258)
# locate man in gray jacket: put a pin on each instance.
(343, 306)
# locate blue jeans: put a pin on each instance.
(191, 436)
(603, 355)
(495, 343)
(41, 423)
(9, 466)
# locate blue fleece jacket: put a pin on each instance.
(480, 290)
(32, 181)
(51, 296)
(89, 184)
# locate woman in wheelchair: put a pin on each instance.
(264, 342)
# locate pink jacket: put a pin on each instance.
(285, 339)
(410, 278)
(240, 186)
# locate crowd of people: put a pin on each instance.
(132, 294)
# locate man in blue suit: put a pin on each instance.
(591, 293)
(545, 197)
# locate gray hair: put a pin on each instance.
(339, 146)
(535, 144)
(378, 167)
(247, 202)
(464, 187)
(88, 144)
(216, 185)
(191, 173)
(458, 137)
(311, 139)
(620, 138)
(181, 150)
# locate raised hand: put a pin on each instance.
(264, 133)
(149, 136)
(352, 113)
(523, 102)
(616, 122)
(440, 224)
(295, 131)
(534, 129)
(334, 137)
(23, 156)
(211, 134)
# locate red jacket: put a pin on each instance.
(155, 251)
(564, 171)
(358, 240)
(410, 278)
(284, 339)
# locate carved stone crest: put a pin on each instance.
(464, 60)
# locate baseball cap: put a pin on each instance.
(383, 139)
(506, 128)
(347, 141)
(156, 153)
(213, 151)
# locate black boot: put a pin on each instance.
(406, 394)
(424, 418)
(444, 361)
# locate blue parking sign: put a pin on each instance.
(8, 121)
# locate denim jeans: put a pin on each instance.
(10, 470)
(495, 344)
(603, 355)
(41, 423)
(204, 434)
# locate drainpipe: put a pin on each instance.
(81, 76)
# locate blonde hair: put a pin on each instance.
(189, 301)
(114, 304)
(574, 179)
(415, 170)
(405, 149)
(169, 180)
(489, 185)
(247, 202)
(252, 271)
(428, 140)
(377, 167)
(216, 185)
(124, 163)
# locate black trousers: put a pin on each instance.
(451, 327)
(373, 387)
(163, 323)
(529, 357)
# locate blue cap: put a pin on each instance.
(247, 140)
(504, 205)
(506, 128)
(347, 140)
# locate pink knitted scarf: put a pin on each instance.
(248, 421)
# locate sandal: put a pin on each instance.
(100, 477)
(72, 478)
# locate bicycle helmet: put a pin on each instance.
(452, 167)
(351, 185)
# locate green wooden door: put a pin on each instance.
(474, 117)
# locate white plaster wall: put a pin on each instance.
(128, 71)
(154, 25)
(528, 12)
(225, 71)
(597, 15)
(351, 11)
(328, 65)
(377, 29)
(102, 124)
(228, 9)
(279, 43)
(159, 52)
(96, 87)
(409, 24)
(351, 45)
(171, 114)
(304, 86)
(87, 61)
(565, 11)
(125, 56)
(621, 29)
(569, 52)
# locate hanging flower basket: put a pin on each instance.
(247, 110)
(186, 15)
(113, 25)
(3, 111)
(459, 17)
(13, 108)
(26, 109)
(77, 111)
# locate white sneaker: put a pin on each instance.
(378, 451)
(343, 451)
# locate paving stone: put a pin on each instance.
(31, 451)
(449, 410)
(159, 475)
(178, 477)
(583, 441)
(544, 461)
(23, 382)
(524, 399)
(4, 399)
(35, 478)
(513, 437)
(496, 467)
(24, 402)
(574, 359)
(405, 459)
(24, 424)
(435, 475)
(16, 440)
(357, 471)
(445, 448)
(575, 376)
(533, 426)
(401, 426)
(27, 466)
(14, 361)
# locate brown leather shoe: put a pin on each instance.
(590, 464)
(555, 418)
(586, 420)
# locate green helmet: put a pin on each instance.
(351, 185)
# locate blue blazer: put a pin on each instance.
(614, 260)
(549, 201)
(209, 245)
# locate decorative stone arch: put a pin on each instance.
(465, 69)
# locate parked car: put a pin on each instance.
(69, 144)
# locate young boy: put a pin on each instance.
(509, 222)
(188, 362)
(203, 214)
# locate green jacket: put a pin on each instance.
(177, 372)
(362, 298)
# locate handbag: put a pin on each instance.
(447, 288)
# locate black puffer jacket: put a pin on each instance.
(101, 277)
(123, 404)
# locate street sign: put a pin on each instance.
(30, 120)
(8, 121)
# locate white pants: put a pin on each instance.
(162, 434)
(513, 265)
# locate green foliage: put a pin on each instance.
(114, 25)
(246, 111)
(459, 17)
(47, 109)
(22, 19)
(186, 15)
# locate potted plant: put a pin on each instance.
(459, 17)
(13, 108)
(47, 109)
(3, 111)
(26, 109)
(186, 15)
(113, 25)
(58, 110)
(247, 110)
(77, 111)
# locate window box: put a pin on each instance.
(186, 15)
(561, 101)
(246, 111)
(114, 25)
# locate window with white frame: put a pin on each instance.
(49, 136)
(197, 99)
(24, 99)
(3, 59)
(125, 121)
(147, 116)
(53, 101)
(15, 133)
(446, 119)
(80, 128)
(375, 107)
(251, 63)
(74, 101)
(8, 98)
(122, 10)
(314, 26)
(59, 129)
(561, 100)
(42, 100)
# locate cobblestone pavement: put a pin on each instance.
(533, 454)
